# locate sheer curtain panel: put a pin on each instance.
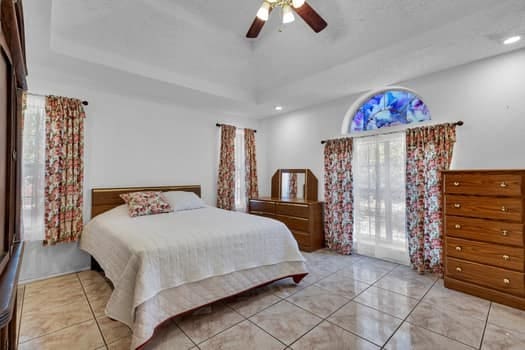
(241, 199)
(379, 204)
(33, 168)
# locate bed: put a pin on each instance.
(166, 265)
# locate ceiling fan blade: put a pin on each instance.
(255, 28)
(311, 17)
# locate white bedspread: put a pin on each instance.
(145, 255)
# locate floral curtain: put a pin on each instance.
(64, 169)
(252, 188)
(429, 151)
(338, 195)
(292, 185)
(226, 176)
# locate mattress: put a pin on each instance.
(164, 265)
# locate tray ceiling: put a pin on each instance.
(195, 53)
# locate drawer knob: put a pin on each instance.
(458, 226)
(457, 205)
(505, 209)
(506, 281)
(504, 233)
(506, 257)
(503, 184)
(458, 248)
(458, 269)
(456, 183)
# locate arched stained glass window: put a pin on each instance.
(384, 108)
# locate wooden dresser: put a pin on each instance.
(303, 218)
(297, 208)
(483, 230)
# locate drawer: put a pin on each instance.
(262, 206)
(260, 213)
(292, 209)
(293, 223)
(303, 239)
(484, 207)
(484, 230)
(485, 185)
(486, 253)
(493, 277)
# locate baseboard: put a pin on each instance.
(54, 275)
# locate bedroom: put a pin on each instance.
(158, 76)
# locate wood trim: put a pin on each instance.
(11, 28)
(8, 285)
(104, 199)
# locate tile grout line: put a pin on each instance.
(485, 328)
(411, 311)
(55, 331)
(92, 311)
(433, 331)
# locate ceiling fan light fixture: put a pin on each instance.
(297, 3)
(288, 16)
(264, 12)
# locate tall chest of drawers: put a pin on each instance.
(302, 217)
(484, 251)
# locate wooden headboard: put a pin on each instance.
(104, 199)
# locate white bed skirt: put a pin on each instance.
(179, 300)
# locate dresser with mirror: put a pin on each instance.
(294, 202)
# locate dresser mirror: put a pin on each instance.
(294, 184)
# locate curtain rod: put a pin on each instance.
(458, 123)
(84, 102)
(219, 125)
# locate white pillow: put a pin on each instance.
(180, 200)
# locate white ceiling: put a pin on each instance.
(194, 52)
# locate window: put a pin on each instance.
(240, 172)
(384, 108)
(379, 197)
(33, 169)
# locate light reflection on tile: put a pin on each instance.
(328, 336)
(285, 321)
(392, 303)
(366, 322)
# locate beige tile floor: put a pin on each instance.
(347, 302)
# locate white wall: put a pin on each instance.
(132, 142)
(488, 95)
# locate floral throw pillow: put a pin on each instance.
(146, 203)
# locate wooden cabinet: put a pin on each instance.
(302, 217)
(12, 82)
(484, 252)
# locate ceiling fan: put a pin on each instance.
(300, 7)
